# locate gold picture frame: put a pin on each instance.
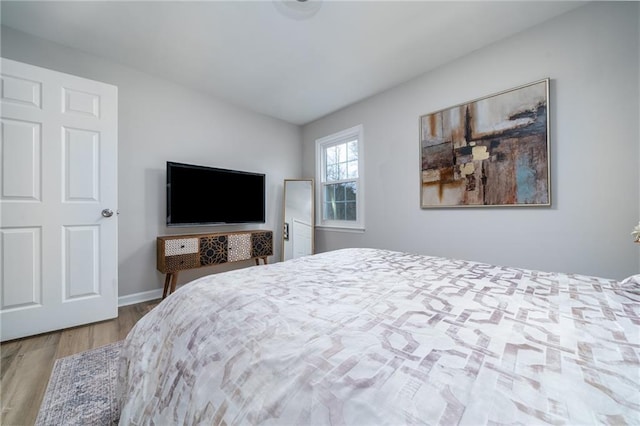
(493, 151)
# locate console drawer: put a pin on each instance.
(181, 261)
(178, 246)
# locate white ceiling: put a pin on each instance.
(272, 58)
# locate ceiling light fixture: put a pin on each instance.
(298, 9)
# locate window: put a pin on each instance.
(340, 171)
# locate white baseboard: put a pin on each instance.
(145, 296)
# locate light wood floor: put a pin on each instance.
(27, 363)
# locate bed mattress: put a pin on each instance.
(377, 337)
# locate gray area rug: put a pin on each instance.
(82, 389)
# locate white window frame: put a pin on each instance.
(321, 145)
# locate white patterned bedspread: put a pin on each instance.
(373, 337)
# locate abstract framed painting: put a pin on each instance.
(492, 151)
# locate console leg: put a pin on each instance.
(174, 281)
(167, 282)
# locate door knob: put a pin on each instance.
(107, 212)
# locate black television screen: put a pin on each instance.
(199, 195)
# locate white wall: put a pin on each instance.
(160, 121)
(591, 56)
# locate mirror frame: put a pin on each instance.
(284, 216)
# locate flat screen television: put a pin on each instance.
(199, 195)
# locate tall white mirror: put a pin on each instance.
(298, 229)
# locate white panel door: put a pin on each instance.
(58, 159)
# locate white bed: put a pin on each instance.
(375, 337)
